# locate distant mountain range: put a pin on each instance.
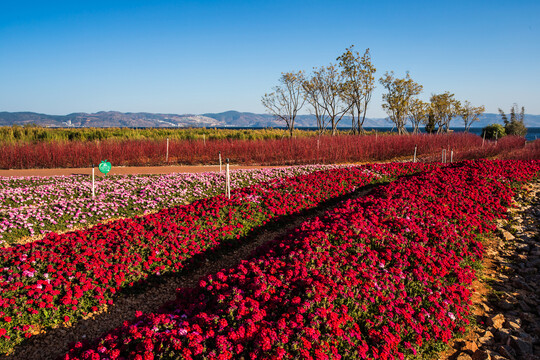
(229, 119)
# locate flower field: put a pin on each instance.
(382, 276)
(64, 277)
(33, 206)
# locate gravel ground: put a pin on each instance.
(507, 295)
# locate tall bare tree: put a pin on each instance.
(445, 108)
(286, 99)
(359, 83)
(329, 82)
(470, 113)
(396, 101)
(418, 113)
(312, 94)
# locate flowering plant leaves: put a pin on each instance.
(380, 277)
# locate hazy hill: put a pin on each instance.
(224, 119)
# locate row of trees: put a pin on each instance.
(346, 88)
(331, 92)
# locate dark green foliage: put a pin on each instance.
(430, 125)
(516, 124)
(493, 132)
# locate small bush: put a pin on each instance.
(493, 131)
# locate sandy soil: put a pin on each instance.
(125, 170)
(506, 294)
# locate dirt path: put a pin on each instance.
(126, 170)
(506, 295)
(160, 290)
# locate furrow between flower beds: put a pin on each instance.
(64, 277)
(384, 276)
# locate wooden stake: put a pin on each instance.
(228, 180)
(93, 184)
(167, 154)
(414, 160)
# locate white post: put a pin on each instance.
(220, 162)
(451, 156)
(93, 184)
(483, 139)
(167, 154)
(414, 160)
(228, 180)
(204, 139)
(318, 145)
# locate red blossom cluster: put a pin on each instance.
(64, 277)
(378, 277)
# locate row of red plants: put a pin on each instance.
(380, 277)
(312, 150)
(63, 277)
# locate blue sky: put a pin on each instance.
(59, 57)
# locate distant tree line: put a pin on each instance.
(38, 134)
(345, 88)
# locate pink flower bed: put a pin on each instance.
(383, 277)
(63, 277)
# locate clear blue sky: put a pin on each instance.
(59, 57)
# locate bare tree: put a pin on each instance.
(396, 101)
(418, 113)
(287, 99)
(359, 83)
(312, 95)
(470, 114)
(445, 108)
(331, 99)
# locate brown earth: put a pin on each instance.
(125, 170)
(506, 294)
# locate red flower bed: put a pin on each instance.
(63, 277)
(380, 277)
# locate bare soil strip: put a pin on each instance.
(126, 170)
(159, 290)
(506, 296)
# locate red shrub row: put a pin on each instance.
(531, 151)
(66, 276)
(379, 277)
(312, 150)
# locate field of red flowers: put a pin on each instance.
(306, 150)
(63, 277)
(383, 276)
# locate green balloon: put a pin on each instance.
(105, 166)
